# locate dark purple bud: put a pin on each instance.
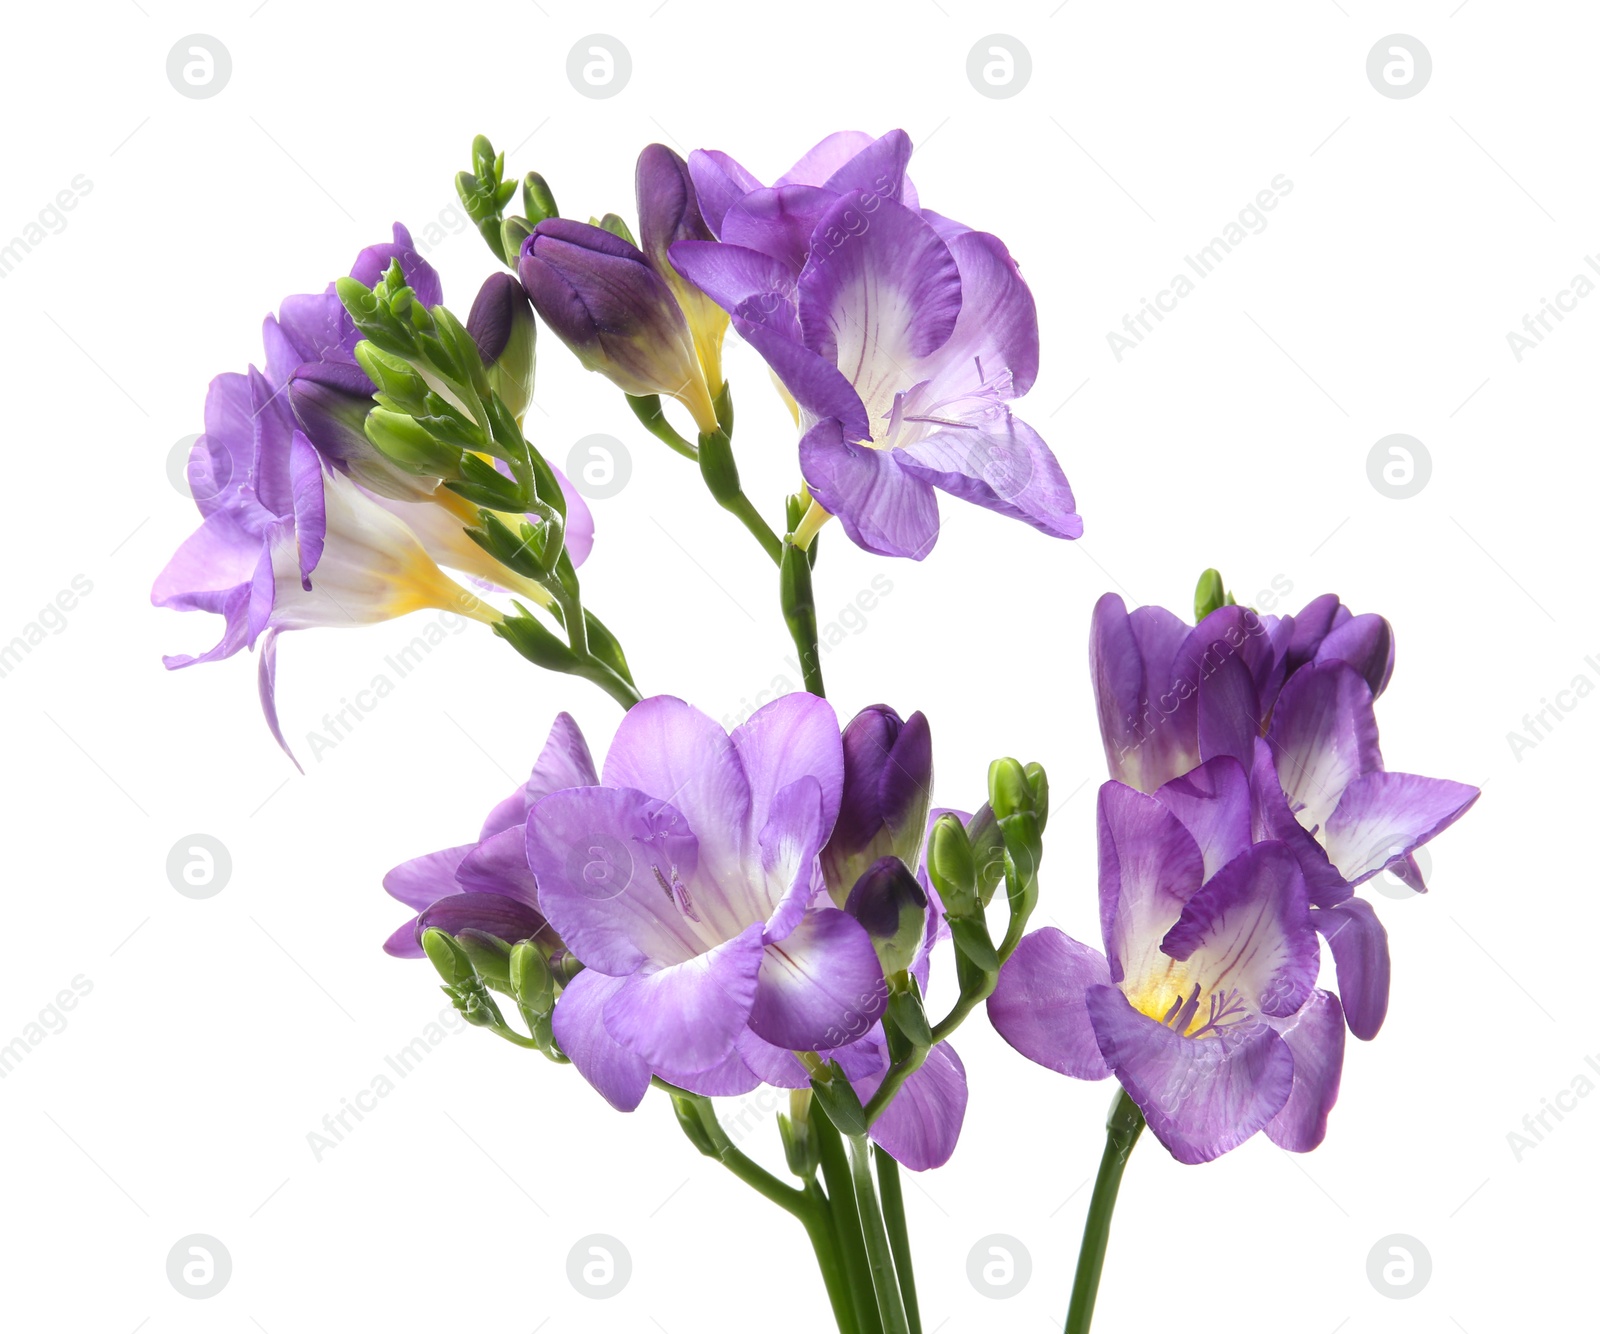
(891, 905)
(501, 324)
(602, 299)
(888, 778)
(669, 211)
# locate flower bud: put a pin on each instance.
(888, 775)
(532, 982)
(669, 211)
(502, 325)
(407, 443)
(1209, 594)
(537, 200)
(891, 905)
(603, 300)
(951, 866)
(1009, 791)
(331, 401)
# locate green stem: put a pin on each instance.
(825, 1244)
(747, 514)
(880, 1260)
(596, 671)
(648, 410)
(894, 1213)
(846, 1223)
(1123, 1125)
(800, 613)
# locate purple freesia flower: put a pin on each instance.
(600, 296)
(1290, 700)
(900, 335)
(304, 524)
(687, 880)
(1204, 1004)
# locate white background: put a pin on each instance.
(218, 1033)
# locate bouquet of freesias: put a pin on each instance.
(703, 912)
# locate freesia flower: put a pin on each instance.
(687, 884)
(1204, 1005)
(712, 951)
(305, 524)
(901, 337)
(601, 297)
(1291, 700)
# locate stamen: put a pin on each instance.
(677, 893)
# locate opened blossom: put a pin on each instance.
(304, 524)
(900, 337)
(1290, 699)
(1204, 1004)
(710, 950)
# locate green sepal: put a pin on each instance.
(537, 644)
(907, 1014)
(687, 1111)
(717, 467)
(971, 938)
(838, 1100)
(603, 645)
(800, 1148)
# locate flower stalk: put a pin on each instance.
(1123, 1125)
